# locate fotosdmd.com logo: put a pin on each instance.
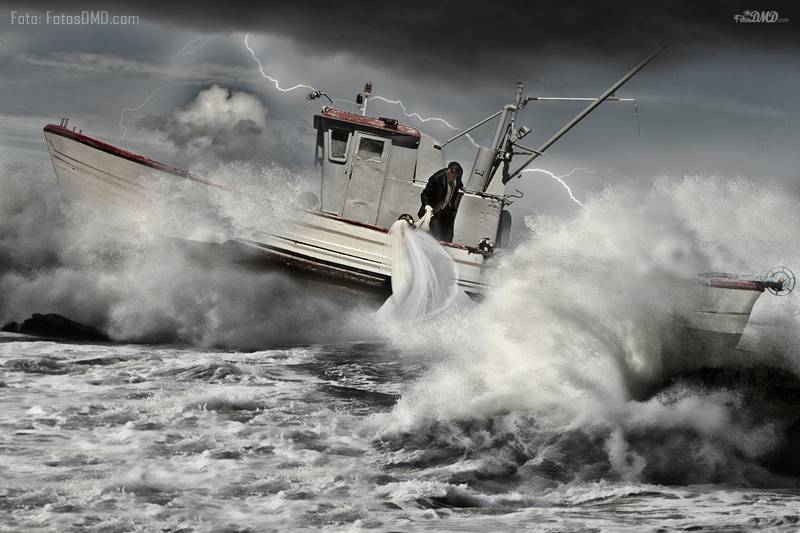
(750, 16)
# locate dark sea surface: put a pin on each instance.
(242, 400)
(159, 438)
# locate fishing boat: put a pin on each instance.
(372, 171)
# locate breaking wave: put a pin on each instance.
(142, 278)
(560, 375)
(557, 377)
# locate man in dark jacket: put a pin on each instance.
(441, 194)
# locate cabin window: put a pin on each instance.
(339, 140)
(370, 149)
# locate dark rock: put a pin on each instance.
(11, 327)
(53, 325)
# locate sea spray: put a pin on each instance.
(135, 272)
(547, 380)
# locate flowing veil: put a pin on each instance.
(424, 276)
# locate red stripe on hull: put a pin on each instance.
(125, 154)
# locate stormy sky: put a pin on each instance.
(719, 101)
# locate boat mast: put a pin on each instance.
(580, 116)
(507, 135)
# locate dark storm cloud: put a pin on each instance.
(141, 42)
(720, 100)
(443, 34)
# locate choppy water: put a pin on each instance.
(525, 412)
(127, 437)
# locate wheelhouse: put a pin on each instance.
(373, 169)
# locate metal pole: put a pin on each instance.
(464, 132)
(580, 116)
(500, 127)
(531, 150)
(573, 99)
(517, 102)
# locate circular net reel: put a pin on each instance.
(783, 275)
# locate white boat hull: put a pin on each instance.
(339, 249)
(326, 244)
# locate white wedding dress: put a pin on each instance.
(424, 276)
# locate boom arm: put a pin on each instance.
(580, 116)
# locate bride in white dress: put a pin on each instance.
(424, 276)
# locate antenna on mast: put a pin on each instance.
(362, 98)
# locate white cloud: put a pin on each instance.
(219, 124)
(217, 108)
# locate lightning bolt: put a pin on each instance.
(421, 118)
(277, 85)
(560, 179)
(189, 48)
(125, 110)
(413, 115)
(267, 76)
